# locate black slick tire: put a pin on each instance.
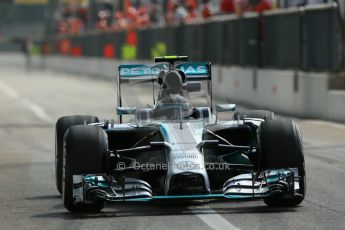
(85, 148)
(61, 127)
(281, 147)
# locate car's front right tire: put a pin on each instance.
(85, 148)
(62, 125)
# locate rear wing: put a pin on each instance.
(194, 71)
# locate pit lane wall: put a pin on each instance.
(295, 93)
(307, 38)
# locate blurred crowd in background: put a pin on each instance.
(76, 17)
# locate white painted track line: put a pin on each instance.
(37, 110)
(213, 219)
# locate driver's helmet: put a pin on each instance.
(171, 104)
(172, 87)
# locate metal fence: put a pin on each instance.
(282, 39)
(301, 38)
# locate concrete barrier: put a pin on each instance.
(234, 84)
(12, 60)
(313, 95)
(302, 94)
(288, 92)
(336, 105)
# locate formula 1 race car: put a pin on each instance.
(177, 148)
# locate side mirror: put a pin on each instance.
(126, 110)
(224, 108)
(192, 87)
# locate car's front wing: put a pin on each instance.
(244, 186)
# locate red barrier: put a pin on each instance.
(76, 51)
(64, 46)
(132, 38)
(109, 51)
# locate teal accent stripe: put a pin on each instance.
(207, 196)
(164, 132)
(195, 197)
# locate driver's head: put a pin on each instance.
(173, 80)
(172, 84)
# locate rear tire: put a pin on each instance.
(261, 114)
(85, 148)
(61, 127)
(281, 147)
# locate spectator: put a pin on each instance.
(127, 4)
(132, 17)
(75, 25)
(171, 10)
(241, 6)
(154, 12)
(181, 12)
(121, 23)
(206, 10)
(192, 15)
(26, 48)
(82, 14)
(227, 6)
(261, 5)
(192, 3)
(62, 27)
(143, 19)
(102, 23)
(154, 17)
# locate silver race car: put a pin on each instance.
(178, 147)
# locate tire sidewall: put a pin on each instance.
(80, 161)
(292, 155)
(62, 125)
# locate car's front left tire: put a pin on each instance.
(282, 148)
(85, 148)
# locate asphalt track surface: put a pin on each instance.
(30, 103)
